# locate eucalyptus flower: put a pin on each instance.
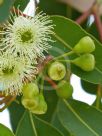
(28, 36)
(14, 72)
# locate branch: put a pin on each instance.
(51, 82)
(18, 12)
(44, 63)
(97, 20)
(8, 101)
(83, 17)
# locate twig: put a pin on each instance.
(97, 20)
(44, 63)
(83, 17)
(8, 102)
(5, 100)
(18, 12)
(1, 95)
(51, 82)
(99, 28)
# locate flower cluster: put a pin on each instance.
(23, 41)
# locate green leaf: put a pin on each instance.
(79, 118)
(56, 122)
(21, 3)
(66, 39)
(16, 110)
(89, 87)
(93, 30)
(53, 7)
(30, 125)
(4, 131)
(5, 9)
(7, 5)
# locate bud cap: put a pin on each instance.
(85, 45)
(86, 62)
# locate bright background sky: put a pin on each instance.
(78, 94)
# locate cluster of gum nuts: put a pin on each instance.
(34, 100)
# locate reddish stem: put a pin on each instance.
(8, 102)
(18, 12)
(1, 95)
(83, 17)
(51, 82)
(5, 100)
(44, 63)
(97, 20)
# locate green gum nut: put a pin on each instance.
(30, 103)
(57, 71)
(86, 62)
(30, 90)
(64, 89)
(1, 2)
(85, 45)
(42, 106)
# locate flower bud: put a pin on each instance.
(57, 71)
(86, 62)
(42, 106)
(36, 104)
(85, 45)
(64, 89)
(30, 90)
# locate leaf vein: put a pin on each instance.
(79, 118)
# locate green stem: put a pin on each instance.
(99, 95)
(68, 75)
(69, 61)
(42, 84)
(62, 41)
(40, 79)
(64, 55)
(61, 56)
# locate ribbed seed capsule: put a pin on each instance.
(30, 103)
(56, 71)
